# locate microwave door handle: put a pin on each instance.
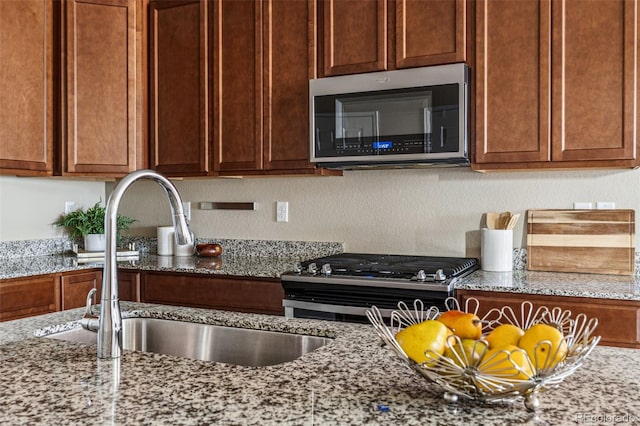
(443, 136)
(317, 139)
(427, 125)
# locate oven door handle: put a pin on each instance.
(290, 305)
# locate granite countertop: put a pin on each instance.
(352, 380)
(622, 287)
(518, 281)
(246, 266)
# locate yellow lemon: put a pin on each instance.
(504, 335)
(465, 352)
(501, 367)
(464, 325)
(545, 346)
(416, 339)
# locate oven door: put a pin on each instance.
(338, 302)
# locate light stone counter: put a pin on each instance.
(351, 381)
(554, 283)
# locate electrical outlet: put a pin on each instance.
(282, 211)
(605, 205)
(69, 206)
(582, 206)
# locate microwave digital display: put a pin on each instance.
(382, 145)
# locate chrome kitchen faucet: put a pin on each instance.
(109, 323)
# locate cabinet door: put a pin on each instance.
(237, 85)
(512, 81)
(26, 87)
(178, 116)
(354, 36)
(289, 26)
(256, 295)
(595, 79)
(26, 297)
(101, 86)
(618, 320)
(429, 32)
(129, 286)
(75, 288)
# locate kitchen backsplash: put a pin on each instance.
(231, 247)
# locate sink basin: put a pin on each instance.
(206, 342)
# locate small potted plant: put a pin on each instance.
(89, 224)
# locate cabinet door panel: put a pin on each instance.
(512, 81)
(75, 288)
(430, 32)
(618, 320)
(26, 85)
(354, 36)
(229, 293)
(129, 286)
(101, 87)
(287, 69)
(594, 79)
(238, 85)
(179, 122)
(29, 296)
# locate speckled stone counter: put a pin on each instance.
(555, 283)
(249, 258)
(351, 381)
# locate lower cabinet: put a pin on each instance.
(618, 320)
(75, 288)
(256, 295)
(42, 294)
(25, 297)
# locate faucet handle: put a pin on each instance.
(90, 320)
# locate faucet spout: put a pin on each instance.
(110, 319)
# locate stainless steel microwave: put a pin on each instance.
(407, 118)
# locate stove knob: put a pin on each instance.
(440, 276)
(312, 269)
(297, 268)
(326, 270)
(421, 276)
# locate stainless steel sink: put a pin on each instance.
(206, 342)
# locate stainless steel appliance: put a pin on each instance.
(405, 118)
(341, 287)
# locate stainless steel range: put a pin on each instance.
(341, 287)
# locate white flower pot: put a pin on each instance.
(95, 242)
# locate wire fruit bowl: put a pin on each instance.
(480, 375)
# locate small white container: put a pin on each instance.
(496, 250)
(95, 242)
(165, 240)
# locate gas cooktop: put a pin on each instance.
(391, 266)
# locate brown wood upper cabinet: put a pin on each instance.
(556, 84)
(179, 122)
(375, 35)
(26, 85)
(229, 86)
(101, 84)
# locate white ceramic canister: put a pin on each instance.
(165, 240)
(496, 250)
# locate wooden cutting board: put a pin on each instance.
(590, 241)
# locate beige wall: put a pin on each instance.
(28, 206)
(436, 211)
